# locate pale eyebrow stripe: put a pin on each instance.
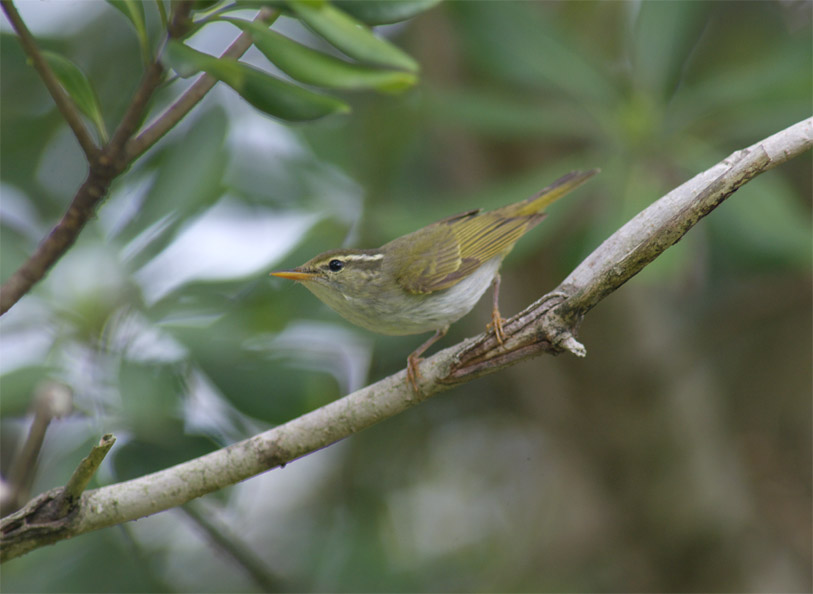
(368, 257)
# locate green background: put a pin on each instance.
(675, 457)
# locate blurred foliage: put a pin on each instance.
(675, 457)
(377, 64)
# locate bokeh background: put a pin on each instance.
(675, 457)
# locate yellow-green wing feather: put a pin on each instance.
(442, 254)
(423, 257)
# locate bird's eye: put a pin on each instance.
(335, 265)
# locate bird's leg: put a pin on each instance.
(496, 318)
(413, 373)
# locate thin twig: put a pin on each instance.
(51, 400)
(184, 104)
(63, 101)
(115, 153)
(80, 478)
(232, 546)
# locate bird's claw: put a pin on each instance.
(496, 325)
(413, 373)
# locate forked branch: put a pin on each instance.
(106, 163)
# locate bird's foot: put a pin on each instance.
(496, 325)
(413, 373)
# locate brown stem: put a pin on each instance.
(116, 149)
(61, 237)
(104, 167)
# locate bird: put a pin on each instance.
(428, 279)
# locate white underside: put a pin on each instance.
(416, 313)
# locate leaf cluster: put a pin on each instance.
(374, 63)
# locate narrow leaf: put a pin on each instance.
(184, 60)
(78, 87)
(202, 5)
(255, 4)
(267, 93)
(162, 13)
(384, 12)
(134, 11)
(351, 36)
(315, 68)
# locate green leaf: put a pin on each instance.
(257, 4)
(537, 53)
(383, 12)
(663, 37)
(265, 92)
(351, 36)
(766, 226)
(497, 113)
(19, 386)
(315, 68)
(79, 88)
(134, 11)
(175, 196)
(150, 396)
(202, 5)
(186, 61)
(162, 13)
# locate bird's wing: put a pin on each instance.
(444, 253)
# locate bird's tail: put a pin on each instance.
(552, 193)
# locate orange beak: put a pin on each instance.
(295, 275)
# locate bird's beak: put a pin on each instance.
(296, 275)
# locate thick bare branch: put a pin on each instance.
(673, 215)
(548, 325)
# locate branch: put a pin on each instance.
(61, 98)
(103, 170)
(51, 400)
(549, 325)
(633, 246)
(106, 165)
